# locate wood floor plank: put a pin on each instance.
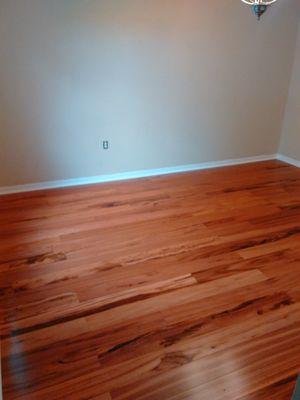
(222, 375)
(179, 287)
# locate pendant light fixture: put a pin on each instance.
(259, 6)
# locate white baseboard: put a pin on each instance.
(132, 175)
(288, 160)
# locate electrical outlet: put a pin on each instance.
(105, 145)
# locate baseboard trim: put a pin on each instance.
(133, 175)
(288, 160)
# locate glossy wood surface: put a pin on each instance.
(169, 288)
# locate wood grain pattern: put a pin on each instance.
(181, 287)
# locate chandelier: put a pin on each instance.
(259, 6)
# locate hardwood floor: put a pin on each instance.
(169, 288)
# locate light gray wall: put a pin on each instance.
(290, 139)
(167, 82)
